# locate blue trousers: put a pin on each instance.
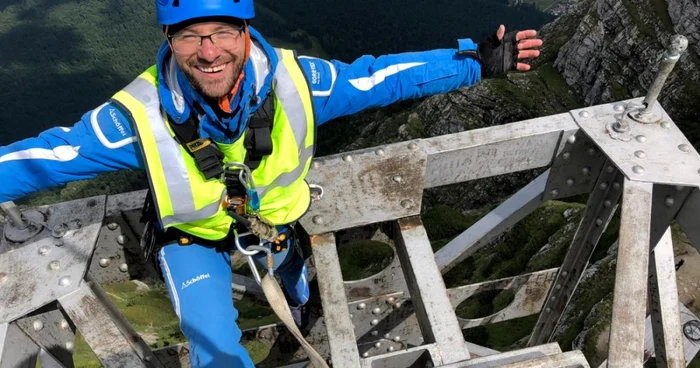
(199, 284)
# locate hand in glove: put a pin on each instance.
(500, 52)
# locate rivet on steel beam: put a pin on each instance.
(64, 324)
(585, 170)
(607, 203)
(598, 222)
(350, 315)
(391, 348)
(376, 310)
(641, 138)
(397, 179)
(377, 344)
(619, 108)
(58, 231)
(54, 265)
(566, 155)
(548, 310)
(640, 154)
(122, 239)
(412, 146)
(38, 325)
(318, 220)
(374, 322)
(104, 262)
(397, 338)
(553, 298)
(44, 251)
(374, 333)
(365, 354)
(123, 267)
(64, 281)
(616, 185)
(638, 170)
(669, 201)
(3, 277)
(397, 305)
(572, 139)
(147, 358)
(112, 226)
(570, 182)
(69, 345)
(584, 114)
(665, 124)
(555, 192)
(558, 287)
(684, 147)
(407, 203)
(591, 151)
(362, 306)
(564, 273)
(603, 186)
(380, 152)
(390, 300)
(387, 335)
(347, 158)
(609, 169)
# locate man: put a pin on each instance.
(224, 125)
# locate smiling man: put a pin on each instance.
(225, 127)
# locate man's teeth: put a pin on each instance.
(214, 69)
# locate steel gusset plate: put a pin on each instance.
(575, 169)
(50, 328)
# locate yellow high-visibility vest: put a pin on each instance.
(184, 199)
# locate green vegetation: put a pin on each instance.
(363, 259)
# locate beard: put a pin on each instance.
(213, 86)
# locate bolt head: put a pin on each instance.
(318, 220)
(397, 179)
(616, 185)
(54, 265)
(362, 306)
(619, 108)
(374, 333)
(640, 154)
(684, 147)
(585, 170)
(570, 182)
(390, 300)
(407, 204)
(638, 170)
(374, 322)
(584, 114)
(603, 186)
(69, 346)
(566, 155)
(44, 251)
(607, 203)
(548, 310)
(572, 139)
(123, 267)
(555, 193)
(641, 138)
(564, 273)
(669, 201)
(598, 222)
(377, 344)
(104, 262)
(122, 239)
(365, 354)
(64, 281)
(38, 325)
(376, 310)
(665, 124)
(387, 335)
(558, 287)
(412, 146)
(397, 338)
(347, 158)
(591, 151)
(397, 305)
(64, 324)
(112, 226)
(391, 348)
(380, 152)
(609, 169)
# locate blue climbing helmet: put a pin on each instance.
(172, 12)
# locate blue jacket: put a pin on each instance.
(104, 139)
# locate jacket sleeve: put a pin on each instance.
(102, 141)
(341, 89)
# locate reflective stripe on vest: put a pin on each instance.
(184, 199)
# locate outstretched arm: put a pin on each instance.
(341, 89)
(102, 141)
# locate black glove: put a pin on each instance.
(497, 57)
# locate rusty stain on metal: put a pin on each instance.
(410, 223)
(322, 239)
